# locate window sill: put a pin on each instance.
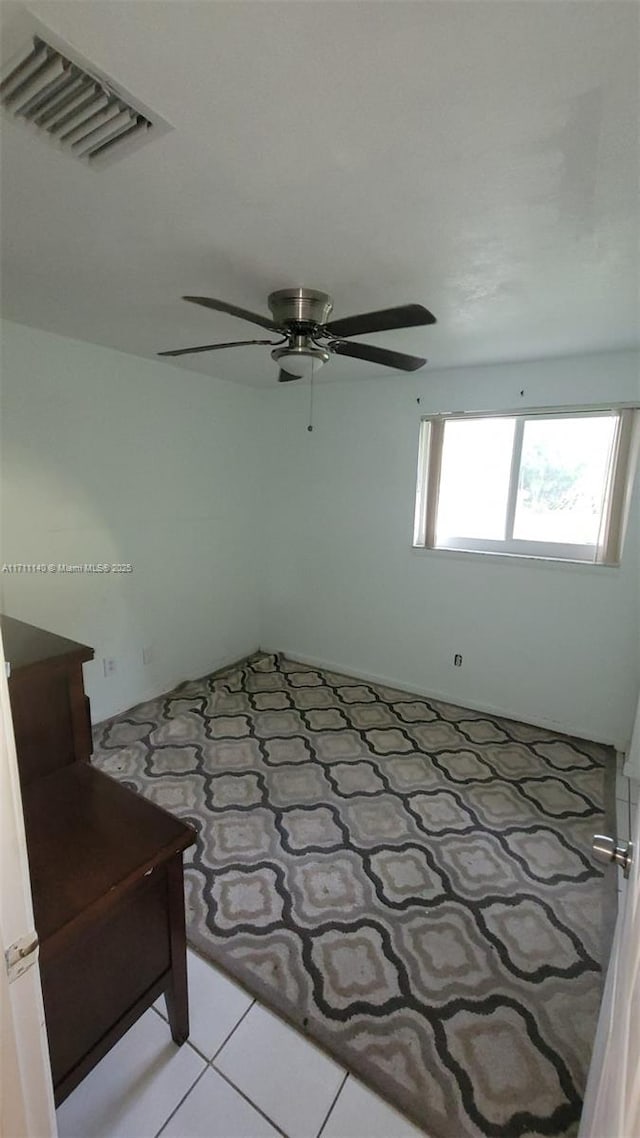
(522, 560)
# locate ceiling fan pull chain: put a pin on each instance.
(310, 427)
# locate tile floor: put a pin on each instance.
(243, 1073)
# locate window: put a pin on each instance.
(536, 485)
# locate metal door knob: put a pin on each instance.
(606, 849)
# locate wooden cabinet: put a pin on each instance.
(105, 867)
(108, 899)
(49, 708)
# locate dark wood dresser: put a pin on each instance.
(105, 867)
(49, 708)
(106, 878)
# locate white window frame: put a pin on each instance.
(617, 493)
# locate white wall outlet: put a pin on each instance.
(108, 666)
(147, 654)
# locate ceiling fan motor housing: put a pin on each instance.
(299, 306)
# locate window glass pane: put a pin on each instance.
(474, 478)
(563, 475)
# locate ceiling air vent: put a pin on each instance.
(82, 112)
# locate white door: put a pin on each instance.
(612, 1099)
(26, 1103)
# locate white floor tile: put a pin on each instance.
(215, 1005)
(213, 1109)
(359, 1113)
(134, 1089)
(292, 1081)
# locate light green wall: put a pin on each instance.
(551, 644)
(110, 458)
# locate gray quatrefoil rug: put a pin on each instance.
(408, 882)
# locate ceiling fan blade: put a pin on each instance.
(285, 377)
(232, 310)
(377, 355)
(212, 347)
(405, 316)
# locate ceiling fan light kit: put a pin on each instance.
(299, 360)
(309, 338)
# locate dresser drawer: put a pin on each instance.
(91, 983)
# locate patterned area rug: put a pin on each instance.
(406, 881)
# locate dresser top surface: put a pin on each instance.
(26, 645)
(89, 840)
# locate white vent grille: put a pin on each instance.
(79, 111)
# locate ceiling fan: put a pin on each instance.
(300, 315)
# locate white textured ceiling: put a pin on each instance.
(478, 158)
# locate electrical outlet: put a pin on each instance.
(147, 654)
(108, 666)
(457, 660)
